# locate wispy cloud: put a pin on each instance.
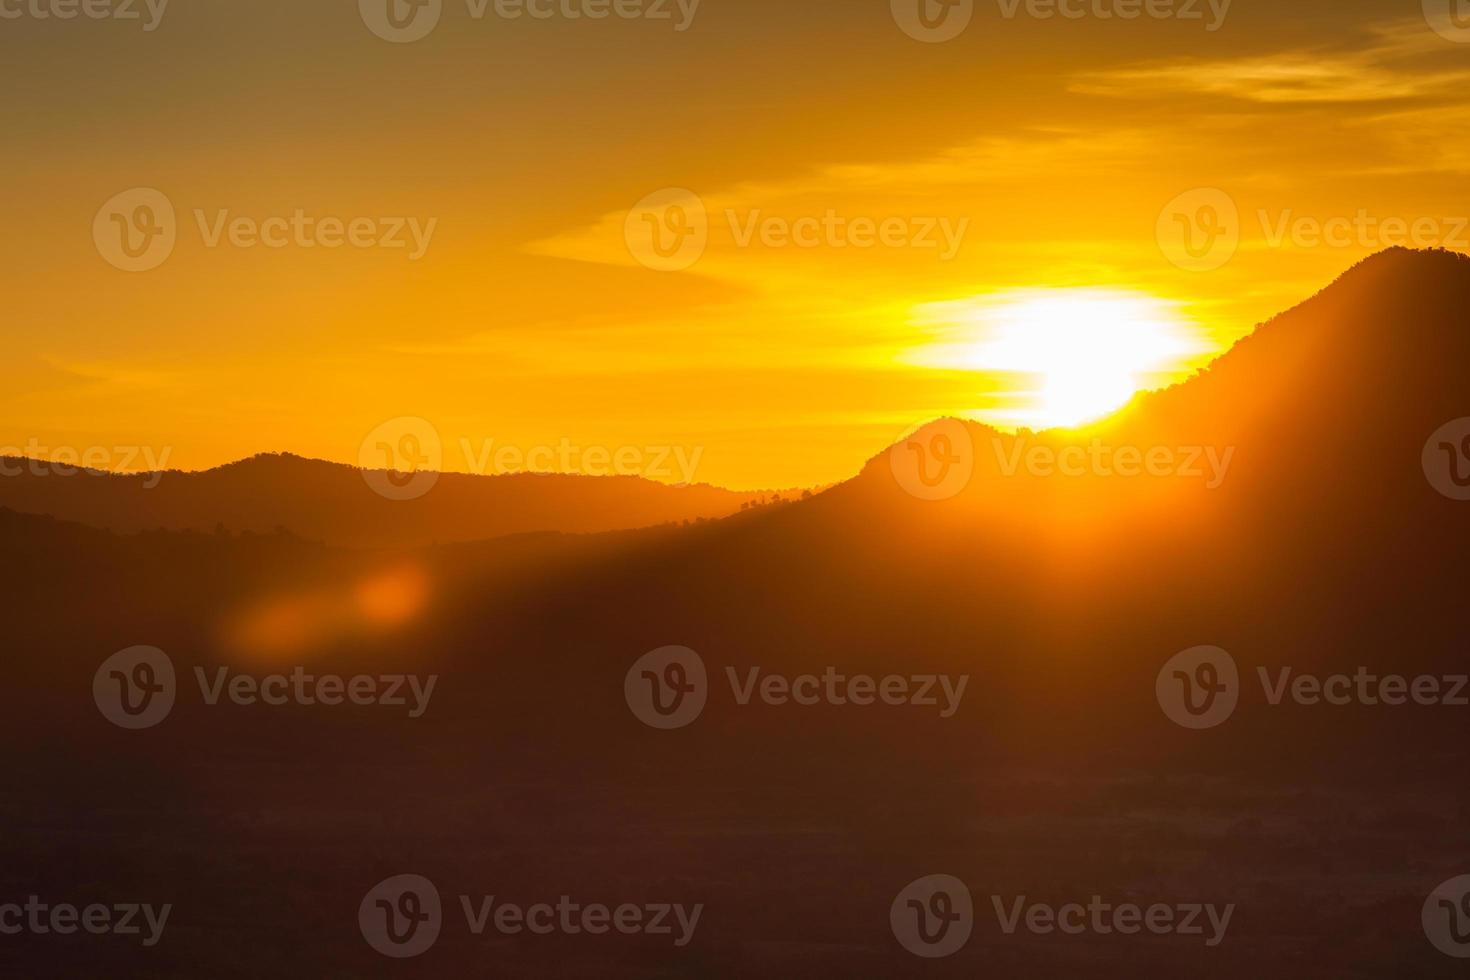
(1398, 60)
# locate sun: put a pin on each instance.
(1066, 356)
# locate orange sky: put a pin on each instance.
(1048, 148)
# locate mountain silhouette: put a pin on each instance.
(1325, 547)
(333, 503)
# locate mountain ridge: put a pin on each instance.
(334, 503)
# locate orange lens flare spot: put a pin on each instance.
(394, 597)
(292, 625)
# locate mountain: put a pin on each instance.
(1311, 433)
(1323, 548)
(1364, 371)
(335, 504)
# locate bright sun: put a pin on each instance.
(1078, 354)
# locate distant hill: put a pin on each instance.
(333, 503)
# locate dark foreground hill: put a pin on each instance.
(1325, 548)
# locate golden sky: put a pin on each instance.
(1050, 149)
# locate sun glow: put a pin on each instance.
(1077, 354)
